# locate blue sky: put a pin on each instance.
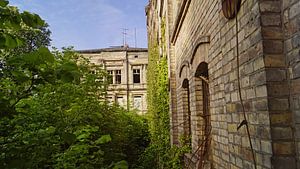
(90, 24)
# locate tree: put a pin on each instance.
(18, 78)
(34, 39)
(66, 123)
(52, 108)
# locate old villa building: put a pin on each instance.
(234, 81)
(127, 67)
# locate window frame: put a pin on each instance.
(110, 77)
(141, 102)
(136, 73)
(118, 76)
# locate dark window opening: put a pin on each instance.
(93, 72)
(110, 77)
(187, 116)
(203, 108)
(118, 77)
(136, 76)
(136, 56)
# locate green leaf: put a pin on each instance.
(50, 129)
(69, 138)
(103, 139)
(39, 20)
(20, 76)
(10, 42)
(27, 18)
(20, 42)
(3, 3)
(69, 66)
(66, 76)
(121, 165)
(13, 23)
(83, 136)
(30, 58)
(45, 55)
(32, 20)
(2, 41)
(42, 55)
(68, 72)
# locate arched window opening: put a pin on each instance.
(202, 110)
(186, 111)
(202, 70)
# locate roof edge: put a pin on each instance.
(113, 49)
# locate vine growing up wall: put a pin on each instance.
(160, 154)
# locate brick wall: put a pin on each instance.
(269, 71)
(230, 148)
(291, 30)
(276, 69)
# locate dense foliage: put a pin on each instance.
(52, 108)
(160, 154)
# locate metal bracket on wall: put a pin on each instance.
(244, 122)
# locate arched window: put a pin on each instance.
(202, 110)
(186, 111)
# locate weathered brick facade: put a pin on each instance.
(202, 52)
(291, 36)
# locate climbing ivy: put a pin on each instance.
(160, 154)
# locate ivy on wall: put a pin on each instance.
(160, 153)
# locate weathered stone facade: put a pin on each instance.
(128, 68)
(204, 76)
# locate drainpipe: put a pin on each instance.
(127, 78)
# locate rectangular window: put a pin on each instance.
(136, 76)
(118, 77)
(120, 101)
(110, 100)
(110, 77)
(137, 102)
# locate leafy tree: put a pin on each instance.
(64, 123)
(33, 39)
(11, 22)
(17, 77)
(52, 108)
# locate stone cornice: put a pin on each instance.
(184, 6)
(113, 49)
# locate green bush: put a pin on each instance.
(67, 124)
